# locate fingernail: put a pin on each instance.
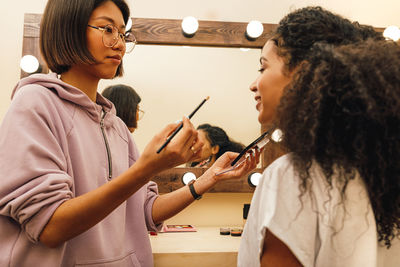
(178, 121)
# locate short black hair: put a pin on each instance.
(63, 32)
(125, 100)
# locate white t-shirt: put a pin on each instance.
(319, 230)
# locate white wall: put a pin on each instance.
(148, 66)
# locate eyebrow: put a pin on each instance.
(109, 20)
(263, 59)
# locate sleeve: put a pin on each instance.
(152, 194)
(34, 181)
(276, 206)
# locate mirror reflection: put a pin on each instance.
(172, 80)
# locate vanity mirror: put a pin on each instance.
(172, 73)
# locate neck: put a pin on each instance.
(82, 80)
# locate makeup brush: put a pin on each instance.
(181, 125)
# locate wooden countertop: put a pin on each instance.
(206, 247)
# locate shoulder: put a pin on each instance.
(36, 97)
(278, 172)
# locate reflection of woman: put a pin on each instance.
(73, 189)
(216, 142)
(329, 201)
(126, 102)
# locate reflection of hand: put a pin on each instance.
(224, 162)
(183, 147)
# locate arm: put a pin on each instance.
(79, 214)
(276, 253)
(168, 205)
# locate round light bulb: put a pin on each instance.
(254, 178)
(392, 32)
(187, 177)
(276, 135)
(128, 25)
(254, 29)
(190, 25)
(29, 64)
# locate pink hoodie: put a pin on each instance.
(53, 148)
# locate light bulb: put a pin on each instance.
(276, 135)
(392, 32)
(187, 177)
(190, 26)
(254, 29)
(128, 25)
(254, 179)
(29, 64)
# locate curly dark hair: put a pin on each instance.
(299, 30)
(344, 104)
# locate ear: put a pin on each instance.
(215, 149)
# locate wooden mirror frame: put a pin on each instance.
(150, 31)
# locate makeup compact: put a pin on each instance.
(224, 231)
(236, 232)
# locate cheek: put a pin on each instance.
(94, 44)
(271, 91)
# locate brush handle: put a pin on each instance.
(170, 137)
(180, 126)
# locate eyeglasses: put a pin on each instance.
(140, 114)
(272, 133)
(111, 35)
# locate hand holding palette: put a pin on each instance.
(272, 133)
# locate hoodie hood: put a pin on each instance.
(67, 92)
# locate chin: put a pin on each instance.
(264, 119)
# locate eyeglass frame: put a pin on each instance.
(121, 36)
(140, 114)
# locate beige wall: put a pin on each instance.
(172, 81)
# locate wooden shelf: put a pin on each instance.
(171, 180)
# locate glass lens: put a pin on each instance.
(110, 35)
(130, 42)
(141, 114)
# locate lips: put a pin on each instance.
(258, 100)
(116, 58)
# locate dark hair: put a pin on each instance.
(344, 103)
(125, 100)
(299, 30)
(63, 32)
(217, 136)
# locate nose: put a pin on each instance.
(253, 86)
(120, 44)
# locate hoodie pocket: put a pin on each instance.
(129, 260)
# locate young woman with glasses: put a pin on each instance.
(73, 189)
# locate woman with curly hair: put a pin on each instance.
(333, 200)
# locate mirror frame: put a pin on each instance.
(150, 31)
